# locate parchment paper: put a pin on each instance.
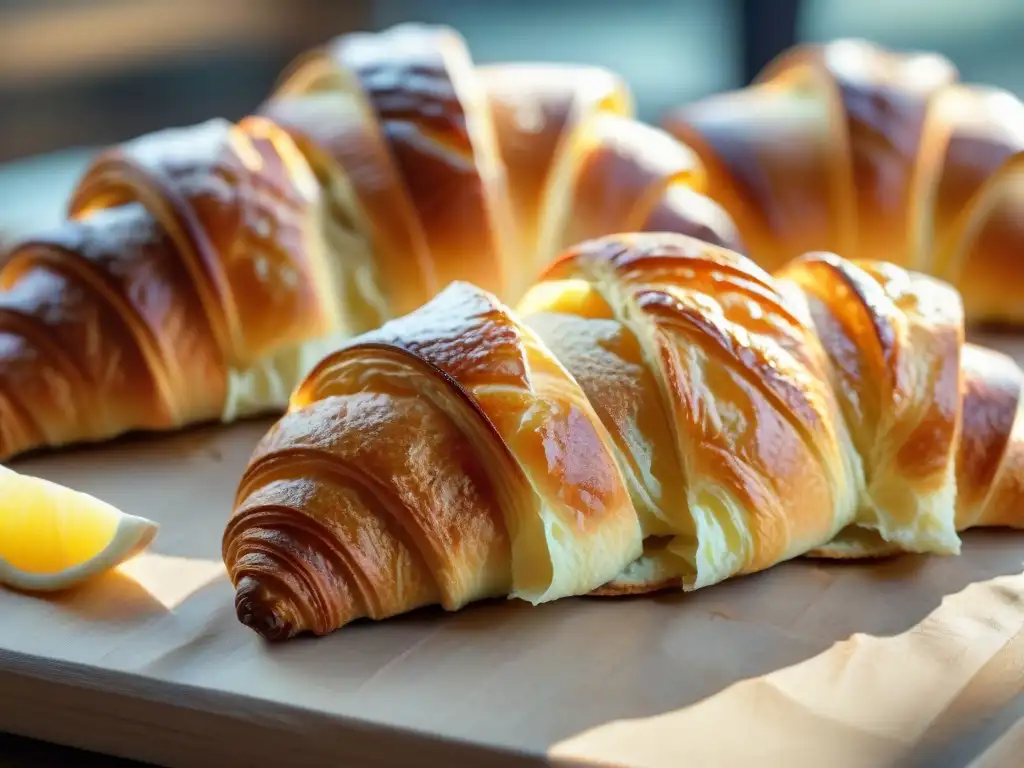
(915, 661)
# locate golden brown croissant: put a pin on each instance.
(203, 270)
(656, 411)
(851, 148)
(482, 174)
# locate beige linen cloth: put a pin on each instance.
(938, 693)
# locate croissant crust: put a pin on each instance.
(656, 412)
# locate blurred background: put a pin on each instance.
(78, 74)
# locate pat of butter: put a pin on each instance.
(266, 386)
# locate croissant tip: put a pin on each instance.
(257, 610)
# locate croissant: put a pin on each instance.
(656, 412)
(203, 270)
(851, 148)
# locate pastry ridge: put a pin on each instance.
(874, 154)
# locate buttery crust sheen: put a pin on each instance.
(444, 458)
(656, 412)
(204, 270)
(872, 154)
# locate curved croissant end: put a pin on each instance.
(323, 535)
(188, 253)
(658, 411)
(101, 326)
(444, 458)
(898, 161)
(240, 207)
